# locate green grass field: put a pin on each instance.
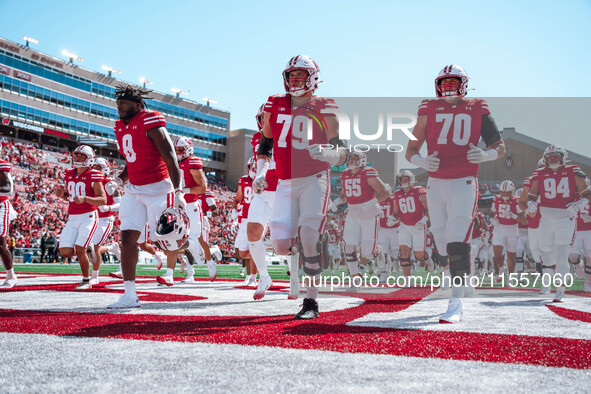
(277, 272)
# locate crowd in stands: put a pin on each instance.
(41, 215)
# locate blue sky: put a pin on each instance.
(234, 52)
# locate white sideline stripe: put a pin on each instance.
(137, 366)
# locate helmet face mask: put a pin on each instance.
(298, 86)
(183, 148)
(101, 165)
(260, 117)
(172, 229)
(410, 181)
(555, 157)
(359, 163)
(506, 189)
(251, 165)
(89, 157)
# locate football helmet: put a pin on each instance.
(452, 71)
(259, 117)
(518, 192)
(361, 160)
(541, 163)
(302, 62)
(103, 166)
(251, 165)
(86, 151)
(183, 147)
(409, 174)
(555, 150)
(172, 229)
(506, 188)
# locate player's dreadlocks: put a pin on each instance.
(137, 95)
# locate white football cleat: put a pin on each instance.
(559, 296)
(116, 274)
(213, 271)
(454, 312)
(189, 279)
(159, 261)
(94, 281)
(264, 284)
(84, 286)
(165, 280)
(9, 283)
(126, 301)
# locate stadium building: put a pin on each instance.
(55, 102)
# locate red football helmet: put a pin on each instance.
(172, 229)
(88, 152)
(302, 62)
(259, 117)
(452, 71)
(183, 148)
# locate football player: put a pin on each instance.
(389, 228)
(259, 214)
(363, 190)
(505, 235)
(334, 247)
(152, 181)
(85, 193)
(523, 253)
(452, 126)
(303, 168)
(244, 197)
(563, 193)
(7, 214)
(411, 207)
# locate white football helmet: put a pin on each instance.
(251, 165)
(172, 229)
(259, 117)
(183, 147)
(452, 71)
(541, 163)
(518, 192)
(409, 174)
(103, 166)
(506, 187)
(361, 160)
(553, 150)
(302, 62)
(86, 151)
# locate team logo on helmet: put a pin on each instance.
(172, 229)
(302, 62)
(102, 165)
(183, 148)
(410, 175)
(452, 71)
(88, 152)
(555, 150)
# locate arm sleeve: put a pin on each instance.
(489, 130)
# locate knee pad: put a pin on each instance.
(309, 265)
(587, 265)
(443, 260)
(405, 262)
(574, 260)
(459, 258)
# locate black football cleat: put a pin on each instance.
(309, 310)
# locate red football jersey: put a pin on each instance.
(291, 134)
(144, 163)
(387, 207)
(203, 200)
(356, 186)
(532, 221)
(186, 165)
(110, 200)
(4, 166)
(450, 130)
(247, 194)
(272, 178)
(502, 208)
(581, 224)
(410, 208)
(557, 189)
(477, 229)
(81, 185)
(334, 235)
